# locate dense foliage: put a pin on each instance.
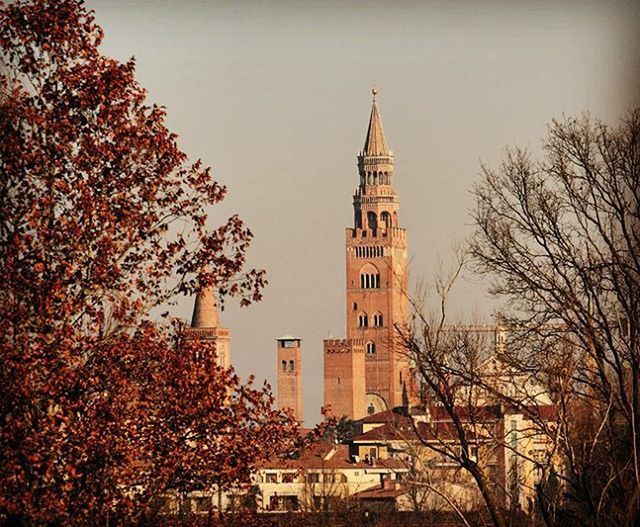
(102, 218)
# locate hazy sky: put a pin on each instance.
(276, 98)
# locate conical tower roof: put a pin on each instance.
(375, 144)
(205, 311)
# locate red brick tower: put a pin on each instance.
(377, 279)
(290, 375)
(377, 276)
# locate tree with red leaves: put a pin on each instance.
(102, 219)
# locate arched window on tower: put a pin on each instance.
(284, 365)
(371, 348)
(385, 218)
(363, 320)
(372, 221)
(377, 320)
(292, 365)
(369, 277)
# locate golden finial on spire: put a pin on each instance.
(374, 90)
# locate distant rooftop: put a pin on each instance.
(288, 337)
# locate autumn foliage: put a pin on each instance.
(102, 218)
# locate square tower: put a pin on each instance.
(377, 274)
(289, 353)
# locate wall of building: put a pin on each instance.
(344, 378)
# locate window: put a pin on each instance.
(284, 365)
(370, 281)
(271, 477)
(335, 478)
(288, 503)
(292, 365)
(371, 348)
(377, 320)
(373, 453)
(288, 477)
(371, 409)
(369, 251)
(541, 460)
(372, 221)
(202, 503)
(313, 478)
(363, 320)
(385, 217)
(369, 277)
(355, 306)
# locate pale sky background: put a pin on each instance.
(275, 96)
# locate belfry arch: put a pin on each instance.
(372, 220)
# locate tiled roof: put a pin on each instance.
(380, 493)
(386, 417)
(439, 425)
(325, 455)
(482, 413)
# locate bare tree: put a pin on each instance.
(445, 358)
(560, 236)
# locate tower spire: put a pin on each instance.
(205, 310)
(375, 144)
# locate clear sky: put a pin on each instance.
(275, 96)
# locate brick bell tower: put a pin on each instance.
(289, 353)
(377, 276)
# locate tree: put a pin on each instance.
(340, 430)
(102, 219)
(560, 237)
(488, 430)
(445, 359)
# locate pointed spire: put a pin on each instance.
(375, 144)
(205, 311)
